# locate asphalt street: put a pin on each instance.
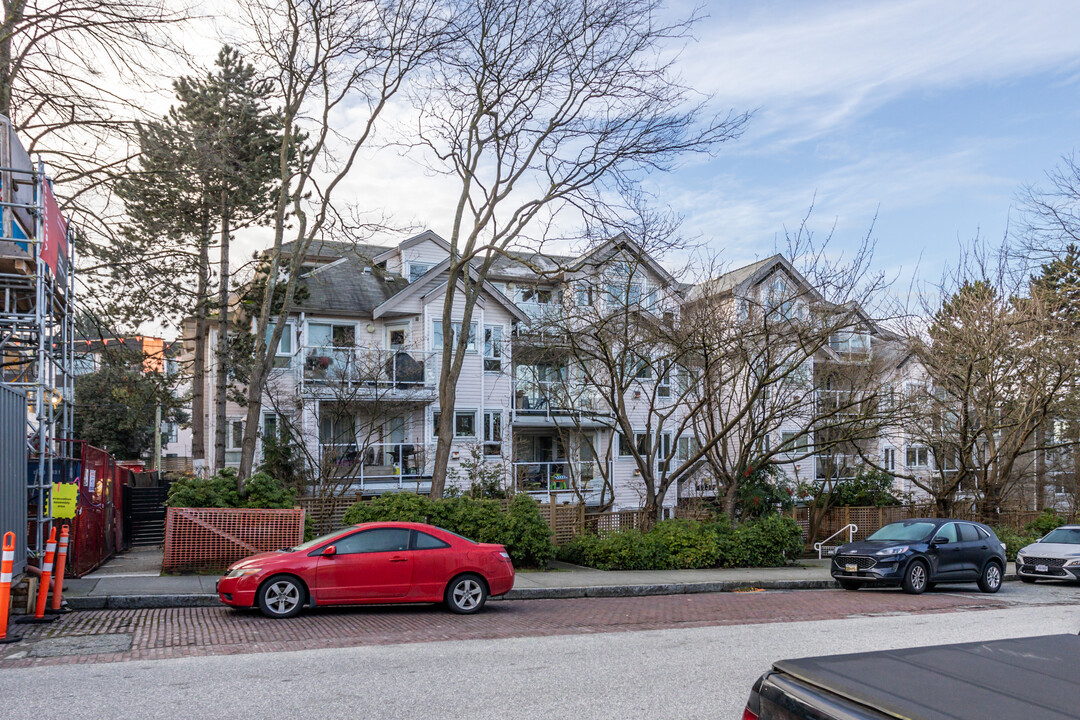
(703, 672)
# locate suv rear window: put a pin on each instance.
(968, 533)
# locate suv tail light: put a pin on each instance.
(748, 714)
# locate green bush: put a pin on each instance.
(520, 528)
(260, 491)
(766, 542)
(1014, 540)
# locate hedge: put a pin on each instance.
(520, 527)
(261, 490)
(1016, 539)
(770, 541)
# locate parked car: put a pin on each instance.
(916, 554)
(371, 563)
(1054, 557)
(1030, 677)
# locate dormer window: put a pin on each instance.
(418, 270)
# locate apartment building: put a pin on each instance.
(356, 376)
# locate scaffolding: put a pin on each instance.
(37, 323)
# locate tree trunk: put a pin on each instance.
(221, 386)
(730, 496)
(13, 16)
(198, 373)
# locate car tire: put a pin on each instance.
(1024, 578)
(990, 579)
(916, 578)
(282, 596)
(466, 594)
(849, 584)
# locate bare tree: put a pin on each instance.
(539, 106)
(323, 56)
(1000, 365)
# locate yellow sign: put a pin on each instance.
(64, 499)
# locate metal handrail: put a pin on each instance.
(851, 528)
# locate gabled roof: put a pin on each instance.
(606, 249)
(425, 236)
(333, 249)
(349, 285)
(425, 281)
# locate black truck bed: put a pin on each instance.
(1035, 678)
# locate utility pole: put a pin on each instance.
(157, 437)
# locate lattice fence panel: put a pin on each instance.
(214, 538)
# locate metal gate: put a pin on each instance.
(144, 510)
(13, 470)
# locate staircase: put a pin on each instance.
(146, 506)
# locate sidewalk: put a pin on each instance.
(131, 580)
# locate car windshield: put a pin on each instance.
(312, 543)
(1065, 536)
(903, 531)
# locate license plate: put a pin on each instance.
(1042, 568)
(851, 567)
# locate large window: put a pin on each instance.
(437, 336)
(493, 433)
(918, 456)
(331, 335)
(794, 443)
(641, 440)
(493, 336)
(464, 423)
(848, 342)
(285, 344)
(621, 295)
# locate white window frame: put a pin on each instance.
(436, 337)
(410, 265)
(888, 458)
(495, 347)
(794, 443)
(435, 416)
(916, 448)
(492, 440)
(289, 332)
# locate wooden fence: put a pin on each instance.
(871, 519)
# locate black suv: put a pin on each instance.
(916, 554)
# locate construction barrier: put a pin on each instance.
(214, 538)
(61, 561)
(43, 586)
(6, 561)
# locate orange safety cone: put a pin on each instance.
(43, 588)
(6, 561)
(58, 577)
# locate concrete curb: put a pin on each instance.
(134, 602)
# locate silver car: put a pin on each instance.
(1055, 557)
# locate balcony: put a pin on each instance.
(376, 468)
(365, 374)
(544, 404)
(559, 481)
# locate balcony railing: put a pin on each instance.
(379, 467)
(547, 399)
(363, 367)
(561, 479)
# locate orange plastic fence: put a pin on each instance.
(214, 538)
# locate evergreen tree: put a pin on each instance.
(207, 168)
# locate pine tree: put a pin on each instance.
(208, 168)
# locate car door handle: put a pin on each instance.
(398, 559)
(984, 547)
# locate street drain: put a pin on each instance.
(82, 645)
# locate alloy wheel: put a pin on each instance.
(918, 577)
(993, 576)
(282, 597)
(467, 594)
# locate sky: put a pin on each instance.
(918, 120)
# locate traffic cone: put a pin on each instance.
(6, 561)
(43, 587)
(57, 607)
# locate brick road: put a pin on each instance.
(118, 635)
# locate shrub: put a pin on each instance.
(520, 528)
(1016, 539)
(769, 541)
(218, 491)
(688, 544)
(260, 491)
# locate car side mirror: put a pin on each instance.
(941, 540)
(329, 551)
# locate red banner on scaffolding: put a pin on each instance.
(54, 237)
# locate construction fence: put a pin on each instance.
(214, 538)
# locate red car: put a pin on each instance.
(384, 562)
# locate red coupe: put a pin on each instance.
(385, 562)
